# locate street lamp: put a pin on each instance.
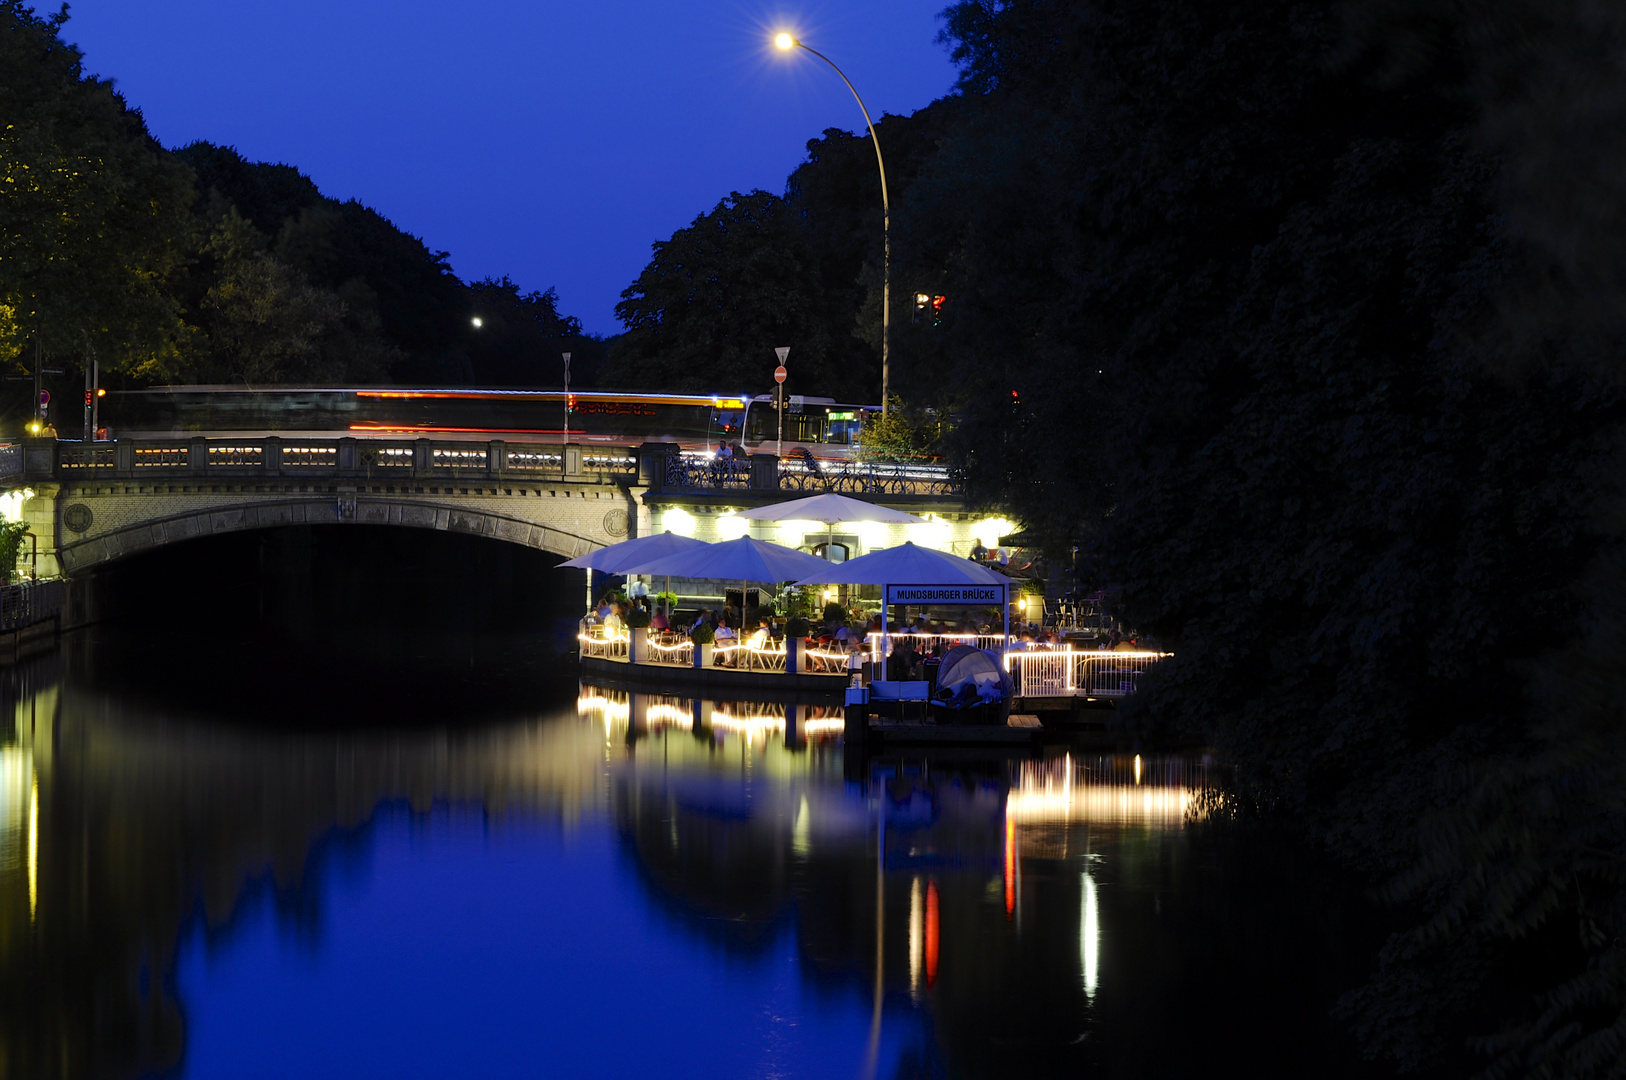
(785, 43)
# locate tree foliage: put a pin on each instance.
(196, 265)
(1316, 346)
(523, 337)
(717, 299)
(95, 217)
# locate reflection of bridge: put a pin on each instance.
(87, 505)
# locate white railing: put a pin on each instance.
(1112, 674)
(1042, 672)
(817, 661)
(675, 652)
(744, 656)
(614, 648)
(935, 643)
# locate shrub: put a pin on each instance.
(797, 627)
(702, 635)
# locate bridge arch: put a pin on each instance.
(113, 544)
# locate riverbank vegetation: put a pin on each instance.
(1315, 318)
(194, 265)
(1304, 321)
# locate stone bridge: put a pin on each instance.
(88, 505)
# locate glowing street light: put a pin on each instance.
(785, 43)
(477, 322)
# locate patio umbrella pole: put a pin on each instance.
(1005, 644)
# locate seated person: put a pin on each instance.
(614, 624)
(900, 666)
(724, 636)
(658, 621)
(764, 634)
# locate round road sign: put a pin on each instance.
(779, 374)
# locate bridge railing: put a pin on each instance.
(866, 478)
(343, 457)
(681, 471)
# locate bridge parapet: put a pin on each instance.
(273, 456)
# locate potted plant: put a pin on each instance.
(637, 633)
(702, 638)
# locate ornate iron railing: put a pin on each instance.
(707, 474)
(866, 478)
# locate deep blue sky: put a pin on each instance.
(551, 141)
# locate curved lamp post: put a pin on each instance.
(785, 43)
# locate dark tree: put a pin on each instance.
(523, 337)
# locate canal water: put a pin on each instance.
(232, 851)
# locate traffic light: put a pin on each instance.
(929, 308)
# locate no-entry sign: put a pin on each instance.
(780, 374)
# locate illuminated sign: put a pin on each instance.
(945, 594)
(614, 408)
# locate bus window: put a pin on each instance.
(843, 428)
(726, 423)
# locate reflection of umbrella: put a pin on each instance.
(619, 558)
(830, 508)
(739, 560)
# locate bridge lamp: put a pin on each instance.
(785, 42)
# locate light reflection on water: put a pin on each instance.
(706, 888)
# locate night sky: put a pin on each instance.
(553, 142)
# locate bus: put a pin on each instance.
(698, 423)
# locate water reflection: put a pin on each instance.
(977, 916)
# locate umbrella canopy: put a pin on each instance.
(619, 558)
(744, 559)
(830, 508)
(906, 564)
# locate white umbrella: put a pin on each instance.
(742, 560)
(618, 558)
(907, 564)
(830, 508)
